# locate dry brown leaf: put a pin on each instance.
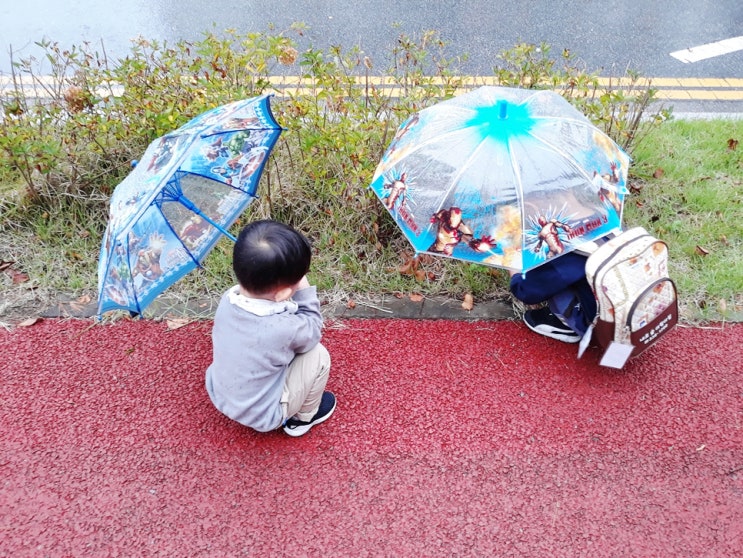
(732, 144)
(351, 304)
(406, 268)
(724, 240)
(658, 173)
(701, 251)
(18, 277)
(469, 302)
(723, 305)
(175, 323)
(30, 321)
(399, 295)
(415, 297)
(5, 265)
(76, 308)
(420, 275)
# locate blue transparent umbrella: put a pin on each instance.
(504, 177)
(186, 191)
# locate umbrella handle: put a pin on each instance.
(188, 204)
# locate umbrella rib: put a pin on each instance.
(565, 154)
(247, 128)
(460, 172)
(129, 264)
(578, 121)
(438, 137)
(207, 177)
(176, 194)
(519, 193)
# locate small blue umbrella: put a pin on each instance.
(503, 177)
(186, 191)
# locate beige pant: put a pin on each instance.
(305, 383)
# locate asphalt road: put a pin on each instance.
(608, 35)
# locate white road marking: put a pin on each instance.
(710, 50)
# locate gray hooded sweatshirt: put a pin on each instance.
(253, 342)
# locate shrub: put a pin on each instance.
(73, 133)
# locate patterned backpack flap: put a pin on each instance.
(637, 302)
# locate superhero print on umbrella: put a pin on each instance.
(525, 173)
(180, 199)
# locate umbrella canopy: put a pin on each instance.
(186, 191)
(503, 177)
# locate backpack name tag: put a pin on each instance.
(616, 355)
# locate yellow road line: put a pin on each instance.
(658, 82)
(681, 89)
(699, 95)
(701, 89)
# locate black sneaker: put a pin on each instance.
(544, 322)
(295, 427)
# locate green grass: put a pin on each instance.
(691, 196)
(60, 160)
(688, 190)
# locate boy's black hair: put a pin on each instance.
(270, 255)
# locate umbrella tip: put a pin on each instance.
(502, 109)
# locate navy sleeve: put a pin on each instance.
(544, 282)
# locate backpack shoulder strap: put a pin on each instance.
(589, 247)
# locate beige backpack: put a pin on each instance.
(637, 302)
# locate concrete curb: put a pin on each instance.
(433, 308)
(389, 307)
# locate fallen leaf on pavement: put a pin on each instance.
(415, 297)
(175, 323)
(30, 321)
(469, 302)
(351, 304)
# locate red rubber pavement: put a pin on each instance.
(450, 439)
